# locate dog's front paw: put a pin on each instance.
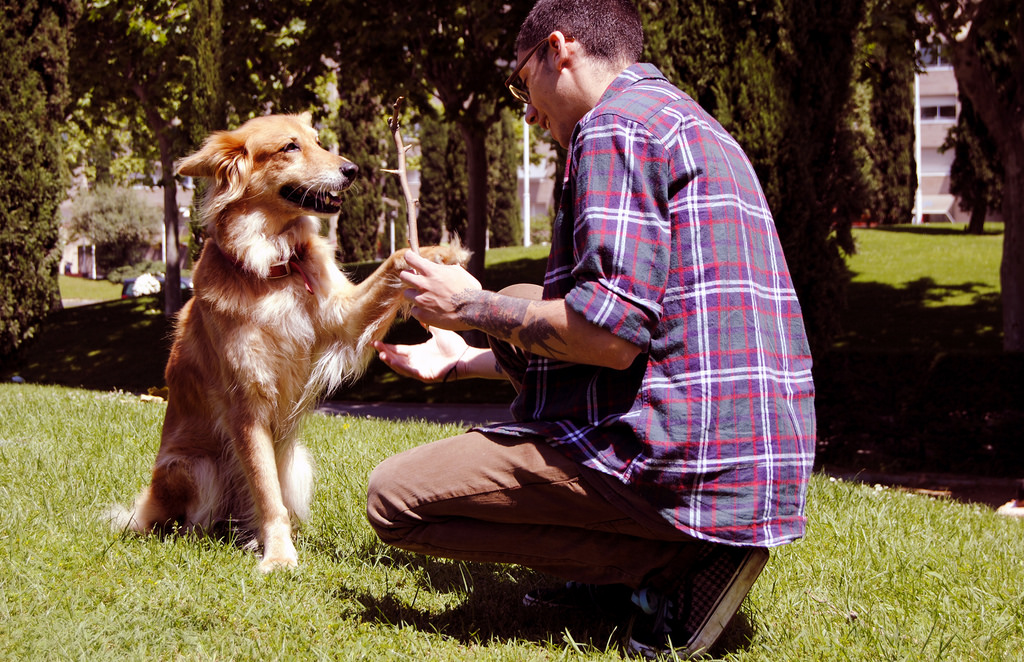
(279, 555)
(452, 253)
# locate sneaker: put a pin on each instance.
(691, 618)
(611, 599)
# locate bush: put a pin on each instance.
(119, 274)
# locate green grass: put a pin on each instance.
(882, 574)
(918, 380)
(924, 288)
(83, 289)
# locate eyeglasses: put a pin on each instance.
(514, 83)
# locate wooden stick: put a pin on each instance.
(411, 205)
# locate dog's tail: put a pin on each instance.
(124, 519)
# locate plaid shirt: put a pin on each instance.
(663, 236)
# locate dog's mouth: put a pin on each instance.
(321, 202)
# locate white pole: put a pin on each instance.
(391, 232)
(918, 197)
(526, 181)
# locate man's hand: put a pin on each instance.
(434, 291)
(428, 362)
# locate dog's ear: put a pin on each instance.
(219, 151)
(223, 157)
(306, 118)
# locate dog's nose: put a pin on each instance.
(350, 170)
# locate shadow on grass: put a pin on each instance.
(932, 230)
(915, 386)
(914, 318)
(112, 345)
(492, 608)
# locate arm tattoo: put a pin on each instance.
(506, 318)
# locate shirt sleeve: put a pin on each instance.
(622, 231)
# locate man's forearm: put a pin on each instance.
(545, 328)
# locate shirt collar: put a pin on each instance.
(631, 76)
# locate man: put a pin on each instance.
(664, 423)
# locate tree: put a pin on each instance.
(975, 176)
(363, 138)
(443, 181)
(882, 116)
(504, 149)
(456, 52)
(144, 43)
(984, 40)
(33, 98)
(118, 222)
(171, 72)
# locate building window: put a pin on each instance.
(944, 112)
(933, 57)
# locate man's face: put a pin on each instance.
(550, 104)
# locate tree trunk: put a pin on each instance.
(1004, 119)
(476, 226)
(1011, 272)
(977, 222)
(172, 275)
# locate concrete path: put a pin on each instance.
(466, 414)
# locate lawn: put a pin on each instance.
(930, 288)
(882, 574)
(917, 381)
(76, 289)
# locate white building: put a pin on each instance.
(937, 110)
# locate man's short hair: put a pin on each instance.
(610, 30)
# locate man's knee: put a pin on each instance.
(380, 504)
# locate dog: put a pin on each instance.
(273, 324)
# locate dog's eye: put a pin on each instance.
(292, 147)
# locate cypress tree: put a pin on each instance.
(444, 183)
(33, 95)
(504, 152)
(363, 139)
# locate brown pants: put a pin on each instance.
(478, 497)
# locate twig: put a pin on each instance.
(411, 204)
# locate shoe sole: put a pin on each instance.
(722, 611)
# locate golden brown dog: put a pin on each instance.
(272, 325)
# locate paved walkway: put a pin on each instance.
(985, 490)
(467, 414)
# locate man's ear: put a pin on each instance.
(561, 54)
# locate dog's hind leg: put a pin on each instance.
(169, 499)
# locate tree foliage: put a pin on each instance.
(457, 52)
(361, 131)
(504, 153)
(976, 174)
(33, 97)
(882, 113)
(443, 181)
